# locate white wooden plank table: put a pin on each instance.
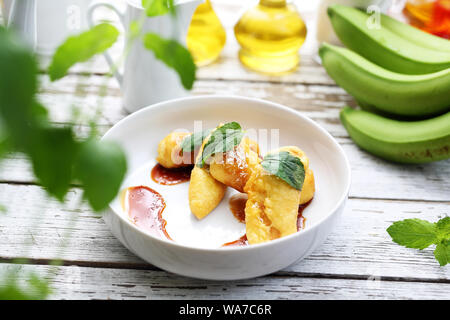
(357, 261)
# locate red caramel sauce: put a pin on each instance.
(300, 218)
(237, 207)
(242, 241)
(170, 177)
(145, 207)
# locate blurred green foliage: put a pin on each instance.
(58, 157)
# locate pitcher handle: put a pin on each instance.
(90, 20)
(22, 18)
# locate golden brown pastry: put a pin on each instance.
(205, 192)
(272, 207)
(234, 167)
(169, 151)
(308, 188)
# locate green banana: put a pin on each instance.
(384, 90)
(382, 46)
(399, 141)
(415, 35)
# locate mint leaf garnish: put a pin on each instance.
(193, 141)
(420, 234)
(82, 47)
(174, 55)
(413, 233)
(222, 139)
(442, 252)
(286, 167)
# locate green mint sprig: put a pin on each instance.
(285, 166)
(420, 234)
(222, 139)
(193, 141)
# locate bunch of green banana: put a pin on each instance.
(384, 90)
(400, 141)
(394, 46)
(395, 70)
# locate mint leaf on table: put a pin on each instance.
(286, 167)
(413, 233)
(174, 55)
(443, 228)
(442, 252)
(193, 141)
(82, 47)
(222, 139)
(101, 168)
(158, 7)
(420, 234)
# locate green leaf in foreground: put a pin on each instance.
(82, 47)
(18, 83)
(193, 141)
(442, 252)
(174, 55)
(413, 233)
(286, 167)
(158, 7)
(52, 152)
(34, 288)
(222, 139)
(101, 167)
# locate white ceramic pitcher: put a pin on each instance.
(145, 79)
(20, 15)
(44, 24)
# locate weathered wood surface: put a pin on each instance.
(358, 247)
(99, 283)
(357, 261)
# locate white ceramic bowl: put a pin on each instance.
(195, 251)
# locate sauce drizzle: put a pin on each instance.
(145, 207)
(170, 177)
(242, 241)
(237, 206)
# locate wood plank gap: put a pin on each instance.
(287, 274)
(80, 263)
(279, 274)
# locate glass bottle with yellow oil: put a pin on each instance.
(206, 36)
(270, 36)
